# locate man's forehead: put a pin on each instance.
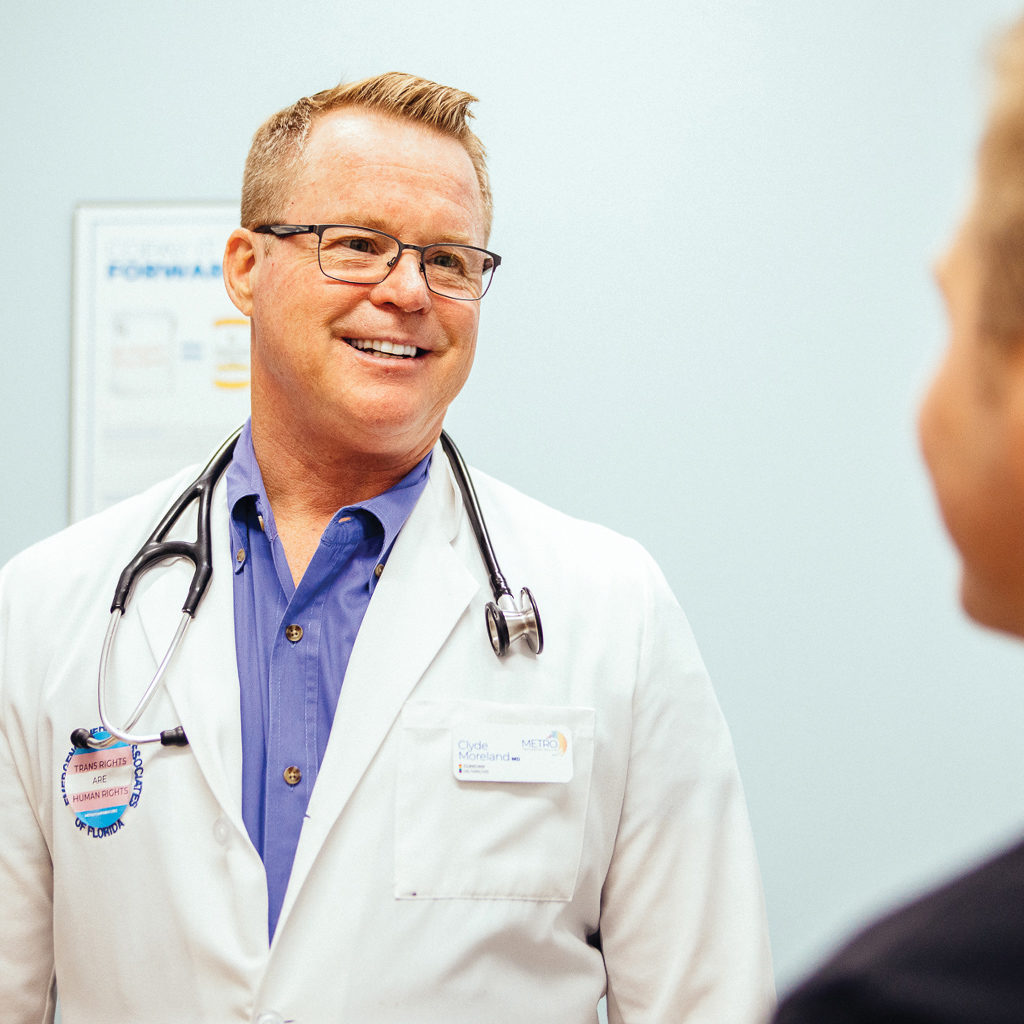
(363, 133)
(350, 148)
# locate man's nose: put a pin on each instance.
(405, 286)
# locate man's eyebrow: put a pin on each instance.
(378, 224)
(373, 222)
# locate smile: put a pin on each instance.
(387, 349)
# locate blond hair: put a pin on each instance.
(277, 146)
(998, 214)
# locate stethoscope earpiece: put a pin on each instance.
(506, 623)
(80, 739)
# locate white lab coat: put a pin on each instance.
(414, 897)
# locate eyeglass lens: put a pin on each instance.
(364, 256)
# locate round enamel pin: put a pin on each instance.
(100, 785)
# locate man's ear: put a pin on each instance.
(238, 266)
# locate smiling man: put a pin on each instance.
(375, 819)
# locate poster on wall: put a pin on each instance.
(160, 356)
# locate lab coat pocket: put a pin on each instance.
(491, 800)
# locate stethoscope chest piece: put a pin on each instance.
(507, 623)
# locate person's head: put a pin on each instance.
(360, 370)
(971, 422)
(277, 147)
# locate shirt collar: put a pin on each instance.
(394, 506)
(391, 509)
(243, 478)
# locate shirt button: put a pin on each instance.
(378, 569)
(292, 775)
(293, 633)
(240, 556)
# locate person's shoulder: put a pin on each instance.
(952, 954)
(976, 909)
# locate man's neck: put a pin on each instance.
(306, 484)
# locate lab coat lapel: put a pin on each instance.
(202, 680)
(421, 596)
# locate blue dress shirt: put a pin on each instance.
(293, 645)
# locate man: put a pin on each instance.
(371, 831)
(955, 955)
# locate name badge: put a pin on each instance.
(490, 752)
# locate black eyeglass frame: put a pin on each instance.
(287, 230)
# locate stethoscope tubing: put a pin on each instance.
(199, 552)
(124, 734)
(505, 621)
(499, 585)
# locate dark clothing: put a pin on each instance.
(955, 956)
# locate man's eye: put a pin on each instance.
(341, 245)
(446, 259)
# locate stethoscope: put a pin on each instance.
(507, 621)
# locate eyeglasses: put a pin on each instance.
(357, 255)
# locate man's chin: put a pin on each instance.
(992, 609)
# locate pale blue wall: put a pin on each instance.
(710, 331)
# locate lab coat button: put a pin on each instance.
(221, 832)
(293, 633)
(292, 775)
(270, 1018)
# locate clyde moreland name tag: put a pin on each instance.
(511, 753)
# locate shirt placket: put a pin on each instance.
(292, 760)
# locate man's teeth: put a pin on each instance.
(383, 348)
